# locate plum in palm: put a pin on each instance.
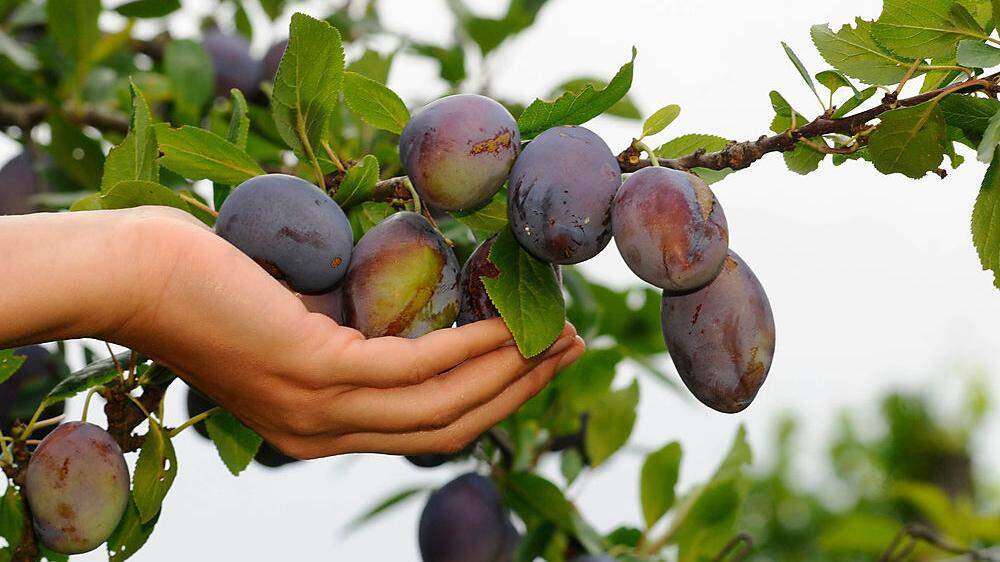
(465, 521)
(403, 280)
(459, 150)
(474, 303)
(670, 229)
(292, 228)
(27, 387)
(77, 486)
(560, 194)
(18, 182)
(234, 66)
(721, 337)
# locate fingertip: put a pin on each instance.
(572, 354)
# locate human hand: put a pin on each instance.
(311, 387)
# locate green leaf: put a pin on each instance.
(489, 33)
(977, 54)
(834, 80)
(527, 294)
(11, 516)
(571, 464)
(657, 481)
(866, 533)
(783, 113)
(135, 157)
(909, 141)
(75, 154)
(9, 364)
(365, 216)
(381, 507)
(575, 108)
(488, 219)
(308, 83)
(130, 534)
(921, 28)
(73, 26)
(97, 373)
(986, 221)
(624, 108)
(199, 154)
(148, 8)
(359, 183)
(611, 422)
(970, 114)
(239, 121)
(373, 65)
(804, 159)
(536, 500)
(660, 120)
(801, 68)
(689, 144)
(854, 102)
(374, 103)
(451, 60)
(991, 137)
(853, 51)
(707, 517)
(235, 442)
(128, 194)
(192, 78)
(155, 471)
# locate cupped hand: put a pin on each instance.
(309, 386)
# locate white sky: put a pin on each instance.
(873, 279)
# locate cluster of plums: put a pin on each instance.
(566, 200)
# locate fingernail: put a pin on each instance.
(508, 343)
(558, 347)
(581, 341)
(569, 358)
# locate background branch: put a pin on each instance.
(741, 155)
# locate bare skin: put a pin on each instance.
(157, 280)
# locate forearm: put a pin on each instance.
(64, 275)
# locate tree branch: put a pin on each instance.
(27, 115)
(741, 155)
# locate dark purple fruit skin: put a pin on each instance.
(269, 65)
(473, 302)
(458, 150)
(329, 304)
(18, 182)
(38, 374)
(292, 228)
(234, 66)
(721, 337)
(403, 280)
(77, 485)
(464, 521)
(670, 229)
(560, 194)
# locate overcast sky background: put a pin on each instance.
(873, 279)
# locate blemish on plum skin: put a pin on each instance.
(493, 145)
(336, 262)
(311, 238)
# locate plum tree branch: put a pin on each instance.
(27, 115)
(741, 155)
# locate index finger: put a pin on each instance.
(387, 362)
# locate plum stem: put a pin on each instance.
(417, 205)
(333, 156)
(639, 145)
(195, 420)
(86, 403)
(194, 201)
